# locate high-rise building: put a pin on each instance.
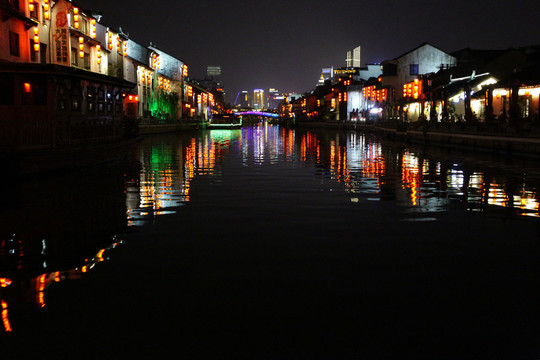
(213, 71)
(258, 99)
(242, 99)
(213, 78)
(326, 74)
(353, 58)
(274, 99)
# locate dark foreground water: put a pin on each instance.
(267, 242)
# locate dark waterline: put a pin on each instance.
(268, 242)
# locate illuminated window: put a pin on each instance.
(414, 69)
(75, 104)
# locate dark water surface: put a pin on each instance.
(268, 242)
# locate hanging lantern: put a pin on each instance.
(109, 40)
(46, 9)
(36, 39)
(98, 53)
(118, 48)
(76, 18)
(93, 28)
(81, 46)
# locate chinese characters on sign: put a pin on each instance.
(61, 47)
(60, 31)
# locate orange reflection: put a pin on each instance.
(410, 176)
(497, 196)
(41, 289)
(310, 147)
(338, 163)
(5, 318)
(373, 163)
(428, 185)
(528, 203)
(99, 255)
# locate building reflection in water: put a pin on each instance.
(167, 169)
(56, 235)
(47, 237)
(370, 170)
(374, 171)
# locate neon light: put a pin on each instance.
(259, 113)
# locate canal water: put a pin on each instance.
(270, 242)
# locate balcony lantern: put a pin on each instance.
(36, 39)
(93, 28)
(110, 40)
(76, 17)
(46, 9)
(81, 46)
(98, 53)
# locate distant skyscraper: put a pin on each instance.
(274, 99)
(258, 99)
(213, 78)
(326, 74)
(213, 71)
(353, 58)
(242, 99)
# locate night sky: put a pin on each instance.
(284, 44)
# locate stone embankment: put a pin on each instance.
(504, 141)
(155, 128)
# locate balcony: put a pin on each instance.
(9, 9)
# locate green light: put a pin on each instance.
(220, 135)
(162, 157)
(164, 106)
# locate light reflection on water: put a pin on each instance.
(364, 168)
(362, 165)
(56, 229)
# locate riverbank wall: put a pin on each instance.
(146, 129)
(502, 143)
(507, 142)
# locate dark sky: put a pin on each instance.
(284, 44)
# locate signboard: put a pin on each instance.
(60, 33)
(348, 71)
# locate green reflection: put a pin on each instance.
(161, 157)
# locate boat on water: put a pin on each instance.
(225, 121)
